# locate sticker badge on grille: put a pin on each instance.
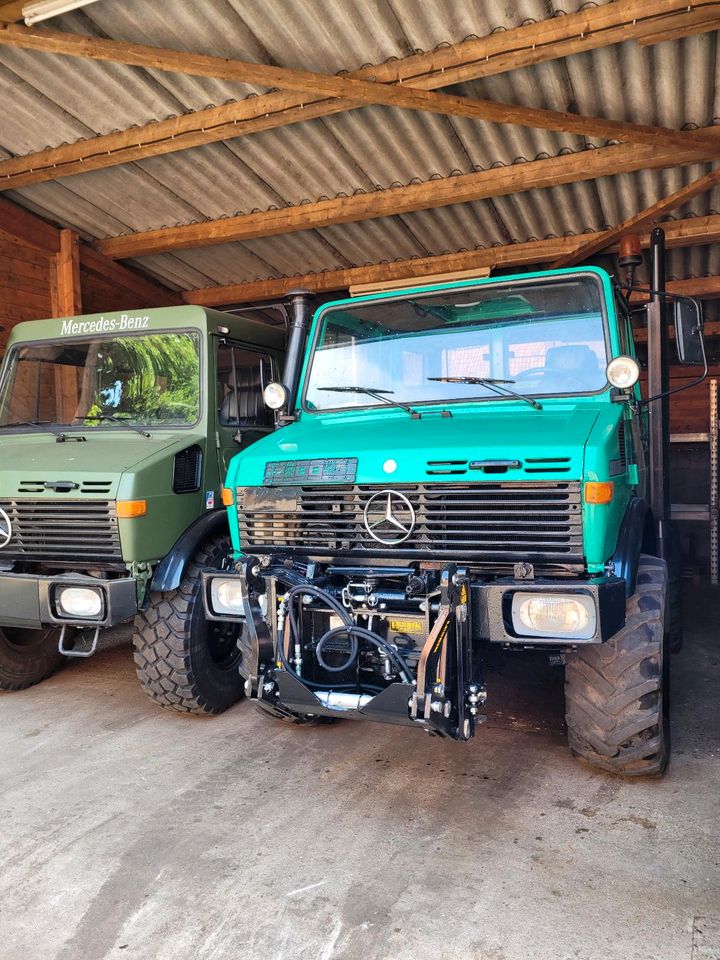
(5, 529)
(389, 517)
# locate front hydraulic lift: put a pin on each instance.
(449, 686)
(444, 698)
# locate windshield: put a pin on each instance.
(103, 382)
(534, 339)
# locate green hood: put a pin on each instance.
(425, 449)
(31, 459)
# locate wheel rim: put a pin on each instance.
(222, 644)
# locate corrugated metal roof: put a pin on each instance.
(49, 100)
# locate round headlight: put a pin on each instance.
(275, 395)
(81, 602)
(623, 372)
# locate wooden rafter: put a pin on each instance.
(356, 91)
(680, 233)
(589, 247)
(678, 33)
(498, 181)
(684, 24)
(522, 46)
(11, 12)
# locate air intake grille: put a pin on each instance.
(73, 532)
(186, 471)
(92, 487)
(490, 525)
(437, 468)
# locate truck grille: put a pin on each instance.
(490, 525)
(70, 532)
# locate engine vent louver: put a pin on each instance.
(547, 465)
(437, 468)
(187, 469)
(90, 487)
(623, 447)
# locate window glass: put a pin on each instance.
(149, 379)
(242, 375)
(539, 339)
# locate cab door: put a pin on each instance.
(242, 372)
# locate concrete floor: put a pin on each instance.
(129, 832)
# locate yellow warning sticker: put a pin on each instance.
(407, 626)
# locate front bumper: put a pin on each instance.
(491, 603)
(27, 600)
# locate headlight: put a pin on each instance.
(226, 596)
(623, 372)
(275, 395)
(554, 615)
(83, 603)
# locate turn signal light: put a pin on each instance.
(131, 508)
(227, 497)
(599, 491)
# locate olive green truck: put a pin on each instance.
(116, 431)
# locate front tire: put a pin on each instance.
(27, 656)
(183, 661)
(616, 693)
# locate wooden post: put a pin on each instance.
(69, 294)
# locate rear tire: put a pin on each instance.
(27, 656)
(183, 661)
(617, 693)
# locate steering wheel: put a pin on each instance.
(528, 375)
(565, 376)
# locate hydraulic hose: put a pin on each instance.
(348, 628)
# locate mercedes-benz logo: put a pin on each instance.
(5, 529)
(389, 517)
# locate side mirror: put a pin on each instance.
(689, 331)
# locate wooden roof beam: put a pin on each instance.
(650, 214)
(674, 27)
(522, 46)
(356, 91)
(495, 182)
(679, 233)
(11, 12)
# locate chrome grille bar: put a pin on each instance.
(482, 523)
(67, 531)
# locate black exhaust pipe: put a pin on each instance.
(300, 309)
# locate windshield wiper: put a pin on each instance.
(496, 386)
(378, 394)
(110, 418)
(34, 423)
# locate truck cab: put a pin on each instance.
(462, 466)
(115, 433)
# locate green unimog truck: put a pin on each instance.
(465, 466)
(116, 431)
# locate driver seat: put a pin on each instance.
(244, 406)
(575, 359)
